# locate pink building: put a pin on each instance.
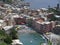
(42, 26)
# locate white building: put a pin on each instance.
(2, 23)
(7, 29)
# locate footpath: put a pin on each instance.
(53, 38)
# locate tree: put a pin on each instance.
(2, 35)
(9, 1)
(53, 18)
(49, 42)
(8, 40)
(13, 33)
(5, 38)
(3, 43)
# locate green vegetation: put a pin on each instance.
(57, 12)
(9, 1)
(53, 18)
(49, 42)
(13, 33)
(2, 35)
(8, 40)
(3, 43)
(5, 38)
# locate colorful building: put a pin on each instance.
(42, 26)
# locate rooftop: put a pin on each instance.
(1, 21)
(7, 27)
(43, 22)
(16, 16)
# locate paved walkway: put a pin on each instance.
(55, 39)
(26, 29)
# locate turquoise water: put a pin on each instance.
(42, 3)
(31, 38)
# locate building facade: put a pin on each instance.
(42, 27)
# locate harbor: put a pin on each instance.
(29, 22)
(30, 37)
